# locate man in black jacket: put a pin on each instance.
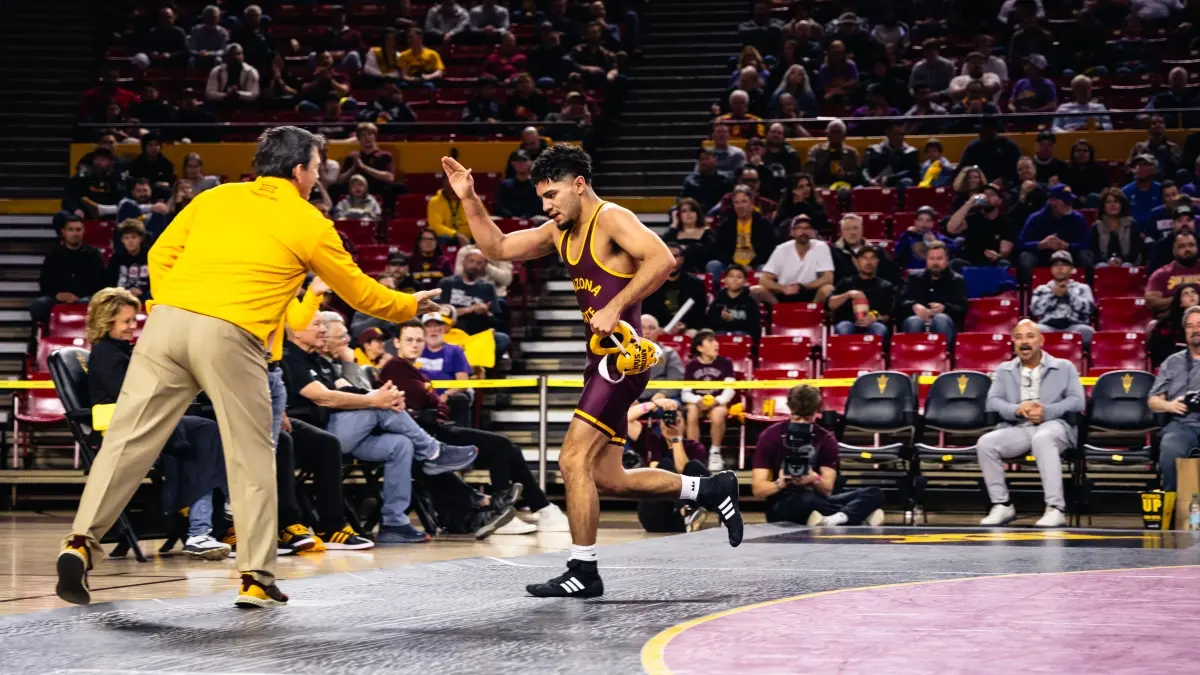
(675, 291)
(516, 197)
(744, 236)
(935, 299)
(706, 185)
(996, 155)
(733, 309)
(892, 162)
(71, 272)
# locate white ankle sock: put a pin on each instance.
(714, 449)
(585, 553)
(691, 487)
(836, 519)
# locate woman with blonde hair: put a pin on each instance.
(969, 182)
(193, 460)
(795, 82)
(750, 56)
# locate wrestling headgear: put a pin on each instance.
(624, 353)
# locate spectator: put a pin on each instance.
(1167, 336)
(94, 102)
(597, 13)
(86, 193)
(800, 198)
(1034, 93)
(800, 270)
(740, 122)
(500, 456)
(429, 266)
(440, 360)
(789, 111)
(875, 106)
(475, 300)
(992, 153)
(762, 179)
(1029, 40)
(324, 85)
(1184, 269)
(1131, 53)
(761, 30)
(591, 58)
(526, 103)
(706, 184)
(734, 311)
(1175, 379)
(1182, 221)
(194, 176)
(1048, 166)
(1082, 112)
(1084, 176)
(838, 77)
(1165, 151)
(863, 304)
(128, 268)
(934, 299)
(549, 61)
(925, 106)
(730, 158)
(370, 353)
(151, 164)
(208, 38)
(516, 197)
(692, 234)
(1177, 95)
(1056, 227)
(562, 24)
(446, 21)
(1144, 193)
(670, 367)
(251, 35)
(1083, 48)
(446, 217)
(1115, 237)
(1162, 218)
(749, 58)
(744, 236)
(1032, 394)
(344, 44)
(151, 109)
(234, 80)
(1027, 195)
(370, 160)
(936, 170)
(808, 498)
(200, 119)
(389, 107)
(679, 287)
(358, 204)
(913, 242)
(987, 233)
(574, 110)
(892, 162)
(166, 44)
(968, 183)
(418, 65)
(779, 158)
(1063, 304)
(833, 163)
(499, 273)
(749, 81)
(846, 248)
(974, 71)
(506, 60)
(657, 441)
(708, 365)
(933, 70)
(890, 30)
(858, 43)
(992, 64)
(1192, 188)
(795, 82)
(71, 272)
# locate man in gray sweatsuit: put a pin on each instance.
(1031, 393)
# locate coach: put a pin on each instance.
(223, 273)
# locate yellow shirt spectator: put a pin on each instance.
(239, 252)
(416, 65)
(446, 217)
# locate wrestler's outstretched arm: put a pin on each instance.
(521, 245)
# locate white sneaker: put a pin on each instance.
(517, 526)
(715, 461)
(999, 515)
(875, 519)
(836, 520)
(552, 519)
(205, 547)
(1052, 518)
(815, 519)
(526, 515)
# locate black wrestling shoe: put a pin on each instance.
(719, 494)
(581, 580)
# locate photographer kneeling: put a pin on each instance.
(796, 467)
(655, 439)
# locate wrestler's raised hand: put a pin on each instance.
(427, 301)
(461, 180)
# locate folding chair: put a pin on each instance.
(880, 405)
(954, 418)
(1117, 442)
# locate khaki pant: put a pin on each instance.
(178, 354)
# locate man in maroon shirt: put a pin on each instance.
(94, 101)
(504, 460)
(374, 163)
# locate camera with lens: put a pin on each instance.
(668, 417)
(798, 442)
(1192, 400)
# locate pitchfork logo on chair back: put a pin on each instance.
(963, 380)
(1126, 382)
(882, 381)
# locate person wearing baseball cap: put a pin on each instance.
(370, 350)
(1063, 304)
(1145, 192)
(517, 197)
(1183, 220)
(1057, 226)
(1034, 93)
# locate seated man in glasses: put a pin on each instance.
(1032, 394)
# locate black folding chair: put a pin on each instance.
(955, 417)
(1119, 456)
(881, 406)
(68, 370)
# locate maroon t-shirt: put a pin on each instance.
(770, 451)
(380, 160)
(653, 447)
(718, 371)
(418, 391)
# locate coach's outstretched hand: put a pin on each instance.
(461, 180)
(427, 301)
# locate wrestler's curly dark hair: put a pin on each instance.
(562, 161)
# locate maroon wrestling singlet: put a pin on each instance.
(602, 404)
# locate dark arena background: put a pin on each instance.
(933, 267)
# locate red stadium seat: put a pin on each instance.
(47, 346)
(770, 405)
(682, 344)
(881, 200)
(1067, 346)
(98, 233)
(735, 347)
(1123, 314)
(68, 321)
(1041, 275)
(981, 351)
(902, 220)
(402, 232)
(830, 199)
(1117, 350)
(792, 352)
(875, 226)
(919, 352)
(372, 258)
(411, 205)
(940, 198)
(799, 318)
(359, 231)
(422, 183)
(992, 315)
(1115, 282)
(854, 352)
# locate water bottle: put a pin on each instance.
(1194, 513)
